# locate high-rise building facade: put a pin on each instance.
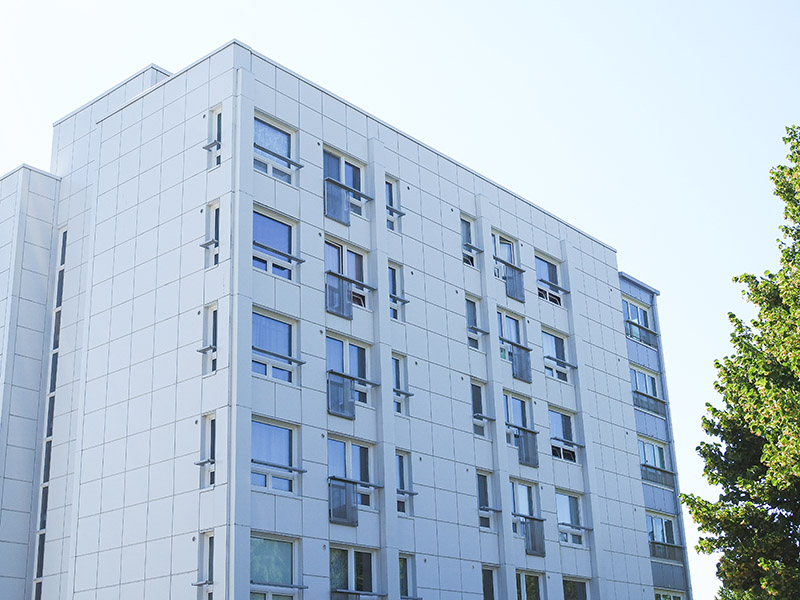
(256, 342)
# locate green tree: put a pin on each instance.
(754, 455)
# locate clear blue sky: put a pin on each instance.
(650, 125)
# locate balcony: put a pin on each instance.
(339, 197)
(666, 551)
(532, 529)
(526, 442)
(339, 294)
(659, 476)
(512, 275)
(641, 334)
(650, 403)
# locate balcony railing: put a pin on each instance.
(355, 595)
(651, 403)
(666, 551)
(659, 476)
(339, 293)
(341, 401)
(533, 532)
(641, 334)
(344, 497)
(527, 445)
(338, 197)
(512, 274)
(552, 292)
(520, 360)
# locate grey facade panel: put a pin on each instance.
(671, 577)
(659, 499)
(643, 355)
(651, 426)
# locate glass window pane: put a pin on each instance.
(355, 266)
(389, 194)
(477, 403)
(334, 354)
(273, 234)
(337, 459)
(270, 561)
(472, 314)
(271, 334)
(488, 584)
(352, 176)
(273, 139)
(358, 361)
(519, 412)
(466, 232)
(363, 567)
(271, 443)
(401, 472)
(339, 569)
(483, 491)
(330, 166)
(360, 463)
(403, 576)
(333, 257)
(512, 327)
(393, 281)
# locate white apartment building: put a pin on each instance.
(256, 342)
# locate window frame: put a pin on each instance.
(570, 532)
(660, 449)
(215, 135)
(664, 519)
(268, 589)
(365, 488)
(561, 447)
(485, 492)
(397, 299)
(500, 266)
(508, 345)
(272, 258)
(210, 338)
(474, 330)
(584, 593)
(522, 583)
(549, 290)
(356, 196)
(400, 390)
(411, 576)
(212, 238)
(405, 482)
(469, 250)
(273, 471)
(272, 360)
(392, 197)
(271, 159)
(490, 592)
(352, 578)
(208, 452)
(361, 383)
(480, 419)
(556, 367)
(343, 269)
(531, 510)
(635, 330)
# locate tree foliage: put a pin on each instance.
(754, 455)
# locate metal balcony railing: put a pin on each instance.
(527, 445)
(512, 274)
(339, 293)
(532, 529)
(641, 334)
(666, 551)
(520, 360)
(342, 502)
(337, 200)
(659, 476)
(651, 403)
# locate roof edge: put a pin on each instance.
(641, 284)
(25, 166)
(110, 90)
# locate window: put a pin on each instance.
(210, 338)
(478, 417)
(272, 462)
(523, 502)
(400, 384)
(505, 266)
(562, 437)
(652, 454)
(404, 492)
(407, 579)
(343, 187)
(211, 243)
(485, 508)
(208, 457)
(396, 299)
(527, 586)
(518, 432)
(660, 529)
(393, 212)
(351, 571)
(668, 596)
(206, 569)
(344, 285)
(272, 348)
(469, 249)
(569, 518)
(548, 281)
(271, 564)
(644, 383)
(272, 246)
(512, 348)
(637, 323)
(214, 145)
(348, 460)
(555, 356)
(574, 590)
(487, 579)
(348, 361)
(272, 151)
(474, 330)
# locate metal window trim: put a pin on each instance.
(347, 188)
(289, 257)
(293, 163)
